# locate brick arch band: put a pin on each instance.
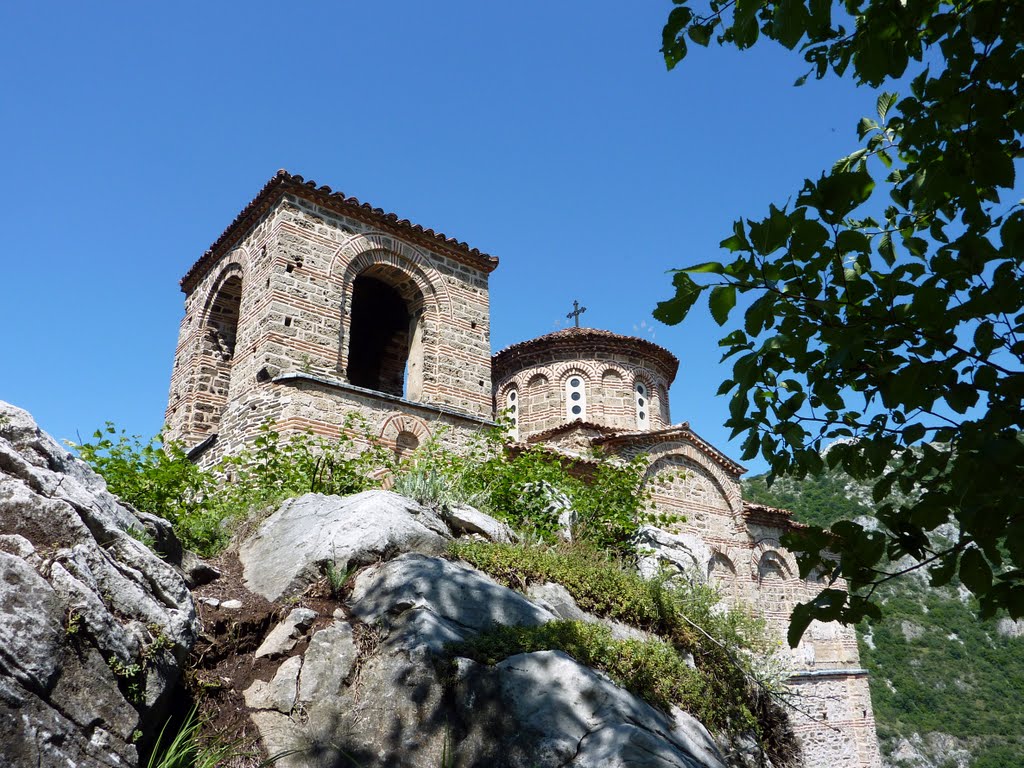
(771, 547)
(362, 251)
(397, 423)
(693, 454)
(234, 268)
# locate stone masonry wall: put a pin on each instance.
(297, 269)
(540, 377)
(748, 564)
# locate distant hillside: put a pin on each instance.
(947, 688)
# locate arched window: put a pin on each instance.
(642, 400)
(512, 411)
(385, 347)
(405, 443)
(576, 398)
(722, 571)
(220, 334)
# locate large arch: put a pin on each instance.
(688, 487)
(393, 306)
(218, 329)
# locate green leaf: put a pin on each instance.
(975, 572)
(674, 310)
(721, 301)
(700, 33)
(789, 22)
(884, 104)
(712, 267)
(673, 44)
(886, 249)
(799, 621)
(771, 233)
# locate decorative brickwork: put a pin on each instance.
(313, 307)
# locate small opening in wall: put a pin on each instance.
(287, 322)
(289, 269)
(268, 282)
(472, 324)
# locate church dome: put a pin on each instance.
(584, 375)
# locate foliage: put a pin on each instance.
(959, 676)
(158, 478)
(820, 499)
(652, 669)
(884, 307)
(726, 645)
(188, 749)
(155, 478)
(530, 488)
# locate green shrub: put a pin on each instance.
(725, 644)
(652, 669)
(157, 478)
(519, 487)
(204, 505)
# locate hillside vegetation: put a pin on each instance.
(935, 667)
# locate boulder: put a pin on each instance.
(292, 546)
(407, 705)
(556, 599)
(679, 552)
(94, 627)
(456, 593)
(462, 518)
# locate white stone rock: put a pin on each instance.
(684, 553)
(453, 591)
(280, 693)
(462, 518)
(286, 634)
(291, 547)
(327, 662)
(101, 596)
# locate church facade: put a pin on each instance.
(312, 306)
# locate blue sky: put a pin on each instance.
(547, 134)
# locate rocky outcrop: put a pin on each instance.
(373, 684)
(680, 553)
(94, 627)
(291, 548)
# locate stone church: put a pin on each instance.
(312, 306)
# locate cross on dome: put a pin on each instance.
(577, 310)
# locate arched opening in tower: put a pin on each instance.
(219, 337)
(385, 339)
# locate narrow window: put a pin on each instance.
(643, 405)
(512, 411)
(576, 398)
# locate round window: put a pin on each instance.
(640, 402)
(642, 416)
(640, 388)
(512, 408)
(575, 395)
(576, 410)
(512, 395)
(574, 382)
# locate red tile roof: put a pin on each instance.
(283, 183)
(663, 435)
(539, 437)
(573, 338)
